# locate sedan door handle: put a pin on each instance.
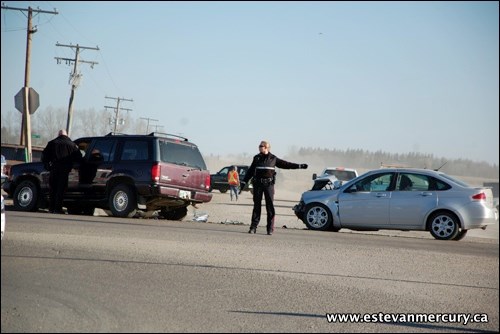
(381, 195)
(426, 193)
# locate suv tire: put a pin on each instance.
(122, 201)
(26, 197)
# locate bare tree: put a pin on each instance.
(48, 122)
(90, 123)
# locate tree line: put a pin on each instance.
(45, 124)
(362, 159)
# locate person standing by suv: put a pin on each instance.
(263, 172)
(234, 181)
(58, 157)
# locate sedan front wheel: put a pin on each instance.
(318, 217)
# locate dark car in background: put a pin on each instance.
(219, 182)
(16, 154)
(121, 174)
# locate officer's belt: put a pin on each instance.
(264, 179)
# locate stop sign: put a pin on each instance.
(33, 100)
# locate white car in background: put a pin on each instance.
(331, 174)
(4, 164)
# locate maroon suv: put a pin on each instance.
(122, 174)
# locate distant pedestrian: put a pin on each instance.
(58, 157)
(234, 182)
(264, 174)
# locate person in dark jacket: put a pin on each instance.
(58, 157)
(263, 172)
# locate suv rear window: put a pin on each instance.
(135, 150)
(181, 154)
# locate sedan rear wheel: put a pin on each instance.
(444, 225)
(318, 217)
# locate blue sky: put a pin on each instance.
(392, 76)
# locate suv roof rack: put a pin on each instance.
(166, 135)
(116, 134)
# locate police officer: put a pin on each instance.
(263, 172)
(58, 157)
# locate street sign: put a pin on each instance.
(33, 100)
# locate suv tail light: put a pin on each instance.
(207, 182)
(479, 197)
(156, 173)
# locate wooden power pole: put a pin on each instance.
(26, 122)
(74, 77)
(117, 108)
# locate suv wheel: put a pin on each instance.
(122, 202)
(174, 214)
(26, 196)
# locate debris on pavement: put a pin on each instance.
(201, 217)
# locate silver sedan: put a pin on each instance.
(400, 199)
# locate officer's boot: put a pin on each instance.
(270, 228)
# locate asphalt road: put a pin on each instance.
(103, 274)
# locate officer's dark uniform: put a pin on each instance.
(58, 156)
(263, 172)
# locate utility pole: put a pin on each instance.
(117, 108)
(74, 78)
(157, 126)
(148, 119)
(26, 120)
